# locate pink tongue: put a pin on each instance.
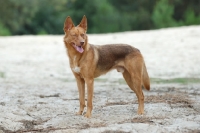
(79, 49)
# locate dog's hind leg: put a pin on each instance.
(134, 81)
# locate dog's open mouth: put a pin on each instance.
(78, 48)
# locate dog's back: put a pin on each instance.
(109, 55)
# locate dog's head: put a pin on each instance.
(75, 36)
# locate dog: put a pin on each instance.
(89, 61)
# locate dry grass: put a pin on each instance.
(3, 130)
(194, 131)
(181, 99)
(145, 119)
(117, 103)
(111, 131)
(54, 95)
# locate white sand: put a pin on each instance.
(38, 92)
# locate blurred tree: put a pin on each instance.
(101, 15)
(3, 30)
(135, 13)
(49, 18)
(16, 14)
(181, 6)
(190, 17)
(18, 17)
(162, 15)
(33, 16)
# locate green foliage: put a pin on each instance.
(101, 15)
(20, 17)
(133, 14)
(2, 75)
(48, 19)
(175, 81)
(162, 15)
(4, 31)
(15, 15)
(190, 17)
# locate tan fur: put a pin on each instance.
(90, 61)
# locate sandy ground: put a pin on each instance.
(38, 92)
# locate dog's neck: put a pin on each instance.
(75, 56)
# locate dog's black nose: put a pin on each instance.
(81, 43)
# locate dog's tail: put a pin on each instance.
(145, 78)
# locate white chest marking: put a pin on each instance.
(76, 69)
(120, 69)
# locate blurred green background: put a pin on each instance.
(19, 17)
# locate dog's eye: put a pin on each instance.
(73, 34)
(82, 35)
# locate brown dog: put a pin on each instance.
(90, 61)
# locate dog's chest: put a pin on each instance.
(74, 66)
(76, 69)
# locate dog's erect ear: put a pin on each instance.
(83, 23)
(68, 24)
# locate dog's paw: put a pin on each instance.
(140, 112)
(87, 115)
(79, 113)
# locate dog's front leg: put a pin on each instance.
(81, 89)
(90, 88)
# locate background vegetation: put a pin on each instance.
(18, 17)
